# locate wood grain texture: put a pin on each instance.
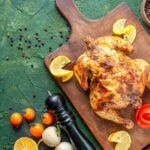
(82, 27)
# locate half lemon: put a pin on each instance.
(25, 143)
(122, 138)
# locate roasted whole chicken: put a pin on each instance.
(113, 79)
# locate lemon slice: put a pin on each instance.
(57, 64)
(122, 138)
(67, 77)
(25, 143)
(129, 33)
(118, 26)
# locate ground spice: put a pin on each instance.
(147, 8)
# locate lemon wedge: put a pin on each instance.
(56, 68)
(67, 77)
(122, 138)
(118, 26)
(129, 33)
(25, 143)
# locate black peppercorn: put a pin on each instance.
(45, 30)
(25, 29)
(7, 58)
(32, 66)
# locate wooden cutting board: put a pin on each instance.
(81, 27)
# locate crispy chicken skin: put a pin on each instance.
(113, 79)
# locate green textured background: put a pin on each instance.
(24, 80)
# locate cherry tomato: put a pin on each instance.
(29, 114)
(36, 130)
(47, 118)
(16, 119)
(143, 116)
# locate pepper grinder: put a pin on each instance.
(56, 103)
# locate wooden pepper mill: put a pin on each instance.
(56, 103)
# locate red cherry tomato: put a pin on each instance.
(143, 116)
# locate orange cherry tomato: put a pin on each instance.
(47, 118)
(16, 119)
(29, 114)
(36, 130)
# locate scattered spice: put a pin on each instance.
(32, 66)
(50, 48)
(23, 55)
(7, 58)
(42, 44)
(20, 37)
(36, 37)
(39, 41)
(60, 32)
(68, 25)
(11, 40)
(26, 57)
(28, 46)
(20, 48)
(45, 30)
(61, 36)
(25, 29)
(67, 39)
(10, 108)
(34, 96)
(60, 44)
(29, 42)
(147, 8)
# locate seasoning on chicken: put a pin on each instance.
(113, 79)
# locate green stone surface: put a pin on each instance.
(24, 80)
